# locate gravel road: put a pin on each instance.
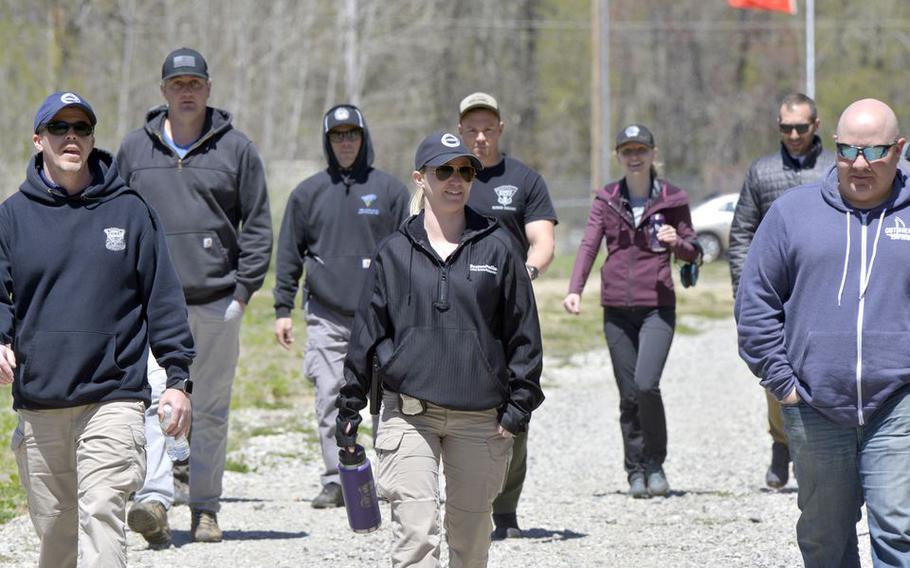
(574, 509)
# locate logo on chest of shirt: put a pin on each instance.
(488, 268)
(504, 195)
(368, 201)
(115, 238)
(899, 232)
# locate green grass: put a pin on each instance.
(269, 377)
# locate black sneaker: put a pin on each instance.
(330, 497)
(779, 472)
(637, 487)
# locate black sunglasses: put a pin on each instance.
(443, 173)
(340, 136)
(61, 127)
(870, 153)
(800, 128)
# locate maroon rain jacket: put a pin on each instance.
(632, 274)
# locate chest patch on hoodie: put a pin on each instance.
(899, 232)
(115, 238)
(488, 268)
(368, 201)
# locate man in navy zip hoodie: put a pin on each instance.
(206, 180)
(823, 314)
(86, 287)
(332, 224)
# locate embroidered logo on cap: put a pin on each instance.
(632, 131)
(70, 98)
(449, 140)
(184, 61)
(115, 239)
(342, 114)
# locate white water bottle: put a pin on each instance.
(178, 449)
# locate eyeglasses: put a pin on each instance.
(338, 136)
(799, 128)
(61, 127)
(870, 153)
(443, 173)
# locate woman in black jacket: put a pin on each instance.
(448, 314)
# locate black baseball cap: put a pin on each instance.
(635, 133)
(440, 148)
(184, 61)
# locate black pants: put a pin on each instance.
(639, 340)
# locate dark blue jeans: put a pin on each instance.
(838, 467)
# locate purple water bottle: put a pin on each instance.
(655, 222)
(359, 490)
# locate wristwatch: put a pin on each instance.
(533, 271)
(186, 385)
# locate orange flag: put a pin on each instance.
(788, 6)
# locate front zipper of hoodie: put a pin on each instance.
(623, 218)
(859, 317)
(197, 144)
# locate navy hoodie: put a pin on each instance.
(332, 224)
(461, 333)
(824, 300)
(87, 285)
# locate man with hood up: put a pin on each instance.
(823, 315)
(86, 288)
(332, 225)
(206, 181)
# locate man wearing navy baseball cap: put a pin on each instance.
(93, 289)
(206, 180)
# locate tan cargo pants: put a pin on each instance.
(79, 466)
(474, 457)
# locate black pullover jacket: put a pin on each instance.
(332, 225)
(461, 333)
(213, 203)
(86, 285)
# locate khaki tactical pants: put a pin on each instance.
(474, 457)
(79, 466)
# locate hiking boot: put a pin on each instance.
(149, 519)
(637, 488)
(329, 497)
(506, 526)
(657, 482)
(204, 527)
(779, 472)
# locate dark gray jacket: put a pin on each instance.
(768, 178)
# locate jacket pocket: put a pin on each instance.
(827, 369)
(886, 365)
(448, 367)
(199, 258)
(337, 281)
(61, 365)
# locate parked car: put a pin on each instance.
(712, 220)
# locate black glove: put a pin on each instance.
(346, 430)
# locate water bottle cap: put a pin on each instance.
(358, 456)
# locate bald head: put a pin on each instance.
(867, 118)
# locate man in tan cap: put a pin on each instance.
(518, 197)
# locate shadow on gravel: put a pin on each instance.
(785, 490)
(242, 500)
(182, 538)
(551, 534)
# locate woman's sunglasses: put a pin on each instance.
(443, 173)
(61, 127)
(870, 153)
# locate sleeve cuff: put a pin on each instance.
(176, 374)
(514, 420)
(282, 312)
(242, 294)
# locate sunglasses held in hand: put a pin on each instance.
(870, 153)
(61, 127)
(445, 172)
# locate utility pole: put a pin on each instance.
(600, 93)
(810, 48)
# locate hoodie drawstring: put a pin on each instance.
(843, 278)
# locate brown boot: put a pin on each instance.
(204, 527)
(150, 520)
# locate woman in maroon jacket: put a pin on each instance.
(644, 220)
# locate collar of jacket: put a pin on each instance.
(476, 225)
(791, 163)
